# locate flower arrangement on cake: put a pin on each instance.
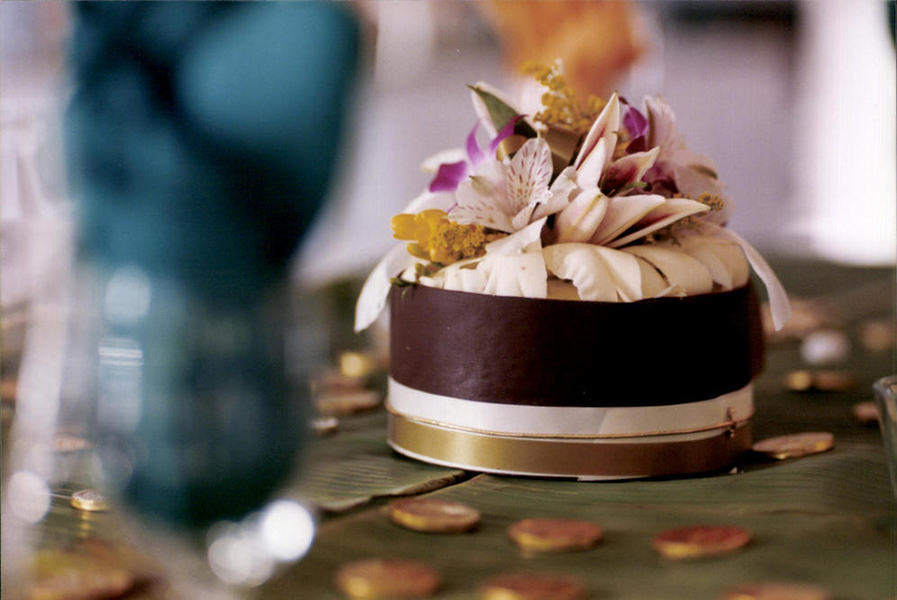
(591, 200)
(569, 301)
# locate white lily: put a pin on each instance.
(599, 212)
(508, 196)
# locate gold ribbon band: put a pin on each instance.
(566, 457)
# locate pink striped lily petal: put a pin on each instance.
(672, 210)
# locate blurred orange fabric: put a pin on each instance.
(597, 40)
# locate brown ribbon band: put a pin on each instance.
(566, 458)
(541, 352)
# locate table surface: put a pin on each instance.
(826, 519)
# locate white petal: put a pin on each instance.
(679, 268)
(625, 272)
(376, 287)
(661, 126)
(628, 169)
(375, 290)
(564, 184)
(605, 127)
(583, 266)
(653, 283)
(481, 202)
(528, 175)
(622, 213)
(590, 171)
(518, 242)
(778, 298)
(553, 205)
(522, 275)
(579, 219)
(674, 209)
(465, 280)
(699, 249)
(733, 257)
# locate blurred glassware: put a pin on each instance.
(161, 366)
(886, 399)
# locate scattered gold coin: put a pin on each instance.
(799, 381)
(347, 402)
(376, 578)
(833, 381)
(357, 365)
(67, 442)
(795, 445)
(431, 515)
(62, 575)
(865, 412)
(529, 586)
(698, 541)
(89, 500)
(820, 381)
(555, 535)
(777, 591)
(879, 334)
(325, 425)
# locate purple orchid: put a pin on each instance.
(450, 175)
(636, 125)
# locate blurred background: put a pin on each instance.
(794, 100)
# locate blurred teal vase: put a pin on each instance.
(196, 418)
(201, 140)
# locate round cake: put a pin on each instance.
(571, 303)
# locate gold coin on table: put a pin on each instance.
(529, 586)
(63, 575)
(700, 541)
(823, 380)
(555, 535)
(89, 500)
(865, 412)
(777, 591)
(879, 334)
(347, 402)
(358, 365)
(833, 381)
(431, 515)
(795, 445)
(375, 578)
(799, 381)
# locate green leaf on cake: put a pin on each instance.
(501, 113)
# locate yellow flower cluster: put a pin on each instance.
(561, 106)
(711, 200)
(437, 239)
